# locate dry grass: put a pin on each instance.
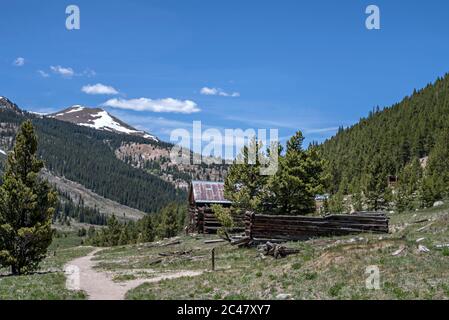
(326, 268)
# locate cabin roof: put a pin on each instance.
(208, 192)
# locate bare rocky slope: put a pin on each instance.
(91, 199)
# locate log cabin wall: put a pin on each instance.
(295, 228)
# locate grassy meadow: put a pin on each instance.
(47, 283)
(325, 268)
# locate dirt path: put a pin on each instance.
(100, 286)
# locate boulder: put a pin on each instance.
(438, 204)
(283, 296)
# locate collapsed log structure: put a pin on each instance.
(203, 194)
(260, 227)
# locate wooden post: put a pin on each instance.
(213, 259)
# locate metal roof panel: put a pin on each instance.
(209, 192)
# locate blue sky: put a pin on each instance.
(309, 65)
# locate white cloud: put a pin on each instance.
(158, 105)
(99, 89)
(19, 62)
(89, 73)
(209, 91)
(320, 130)
(43, 73)
(68, 72)
(62, 71)
(218, 92)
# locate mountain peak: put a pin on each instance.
(5, 103)
(99, 119)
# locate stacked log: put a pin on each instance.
(211, 224)
(195, 225)
(203, 220)
(294, 228)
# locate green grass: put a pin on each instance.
(47, 283)
(326, 268)
(124, 277)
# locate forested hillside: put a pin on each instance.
(87, 156)
(361, 157)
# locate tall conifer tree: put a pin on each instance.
(26, 206)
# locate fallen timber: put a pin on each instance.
(276, 250)
(278, 228)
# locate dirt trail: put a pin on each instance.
(100, 286)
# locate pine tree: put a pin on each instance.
(91, 232)
(169, 222)
(375, 184)
(113, 232)
(299, 179)
(244, 185)
(147, 233)
(124, 238)
(27, 206)
(436, 180)
(357, 201)
(291, 190)
(337, 203)
(409, 184)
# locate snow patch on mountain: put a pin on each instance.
(99, 119)
(104, 121)
(76, 108)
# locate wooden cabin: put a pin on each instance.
(202, 195)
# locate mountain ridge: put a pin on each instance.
(388, 139)
(6, 104)
(129, 169)
(99, 119)
(86, 156)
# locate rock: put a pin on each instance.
(399, 251)
(422, 248)
(438, 204)
(283, 296)
(425, 227)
